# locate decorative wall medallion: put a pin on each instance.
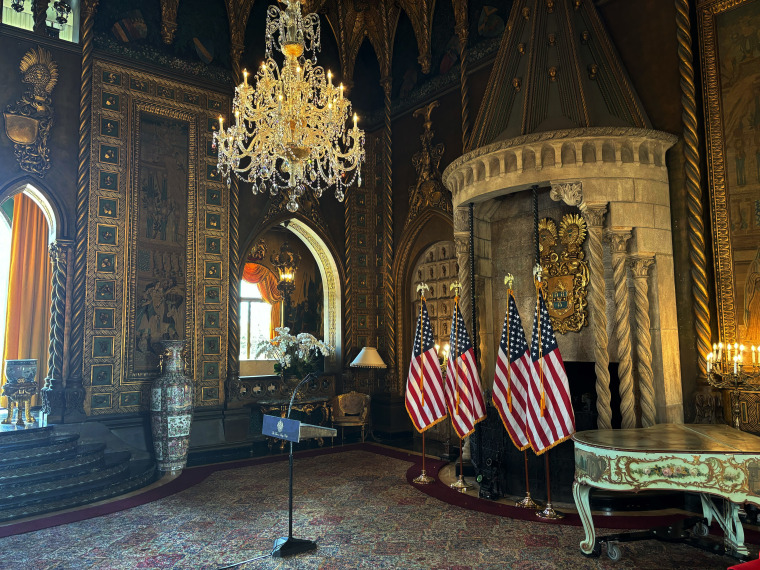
(213, 245)
(104, 319)
(211, 319)
(111, 78)
(108, 207)
(213, 270)
(164, 92)
(211, 152)
(109, 154)
(110, 101)
(214, 105)
(102, 346)
(100, 401)
(191, 98)
(213, 197)
(210, 393)
(139, 85)
(213, 221)
(212, 345)
(212, 294)
(565, 272)
(109, 127)
(212, 124)
(105, 289)
(130, 399)
(101, 375)
(106, 262)
(28, 121)
(107, 234)
(212, 174)
(210, 370)
(109, 180)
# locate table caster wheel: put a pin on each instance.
(700, 529)
(613, 551)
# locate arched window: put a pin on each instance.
(255, 320)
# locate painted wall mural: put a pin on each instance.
(158, 262)
(731, 49)
(160, 289)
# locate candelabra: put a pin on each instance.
(734, 368)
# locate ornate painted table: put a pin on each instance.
(712, 460)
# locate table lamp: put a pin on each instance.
(368, 357)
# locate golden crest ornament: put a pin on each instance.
(565, 272)
(28, 121)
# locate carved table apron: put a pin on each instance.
(706, 459)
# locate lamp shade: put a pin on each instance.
(368, 357)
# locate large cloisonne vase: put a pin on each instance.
(171, 409)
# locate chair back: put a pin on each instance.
(352, 405)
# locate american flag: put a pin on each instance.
(464, 395)
(424, 385)
(550, 413)
(512, 377)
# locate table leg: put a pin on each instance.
(581, 496)
(728, 521)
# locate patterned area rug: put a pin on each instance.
(356, 504)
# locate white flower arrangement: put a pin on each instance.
(297, 351)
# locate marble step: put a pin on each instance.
(87, 457)
(8, 438)
(57, 448)
(140, 474)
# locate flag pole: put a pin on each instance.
(460, 484)
(549, 513)
(423, 478)
(527, 502)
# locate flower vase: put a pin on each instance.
(171, 409)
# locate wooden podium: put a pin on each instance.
(294, 432)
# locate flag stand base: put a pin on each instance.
(461, 485)
(423, 479)
(549, 513)
(527, 502)
(288, 546)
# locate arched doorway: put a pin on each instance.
(29, 226)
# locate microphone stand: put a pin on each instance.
(289, 546)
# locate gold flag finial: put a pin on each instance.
(509, 280)
(457, 286)
(537, 272)
(422, 287)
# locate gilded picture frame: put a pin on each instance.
(730, 53)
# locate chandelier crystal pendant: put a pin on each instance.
(289, 132)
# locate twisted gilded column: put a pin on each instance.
(233, 323)
(619, 242)
(640, 265)
(348, 307)
(697, 258)
(389, 322)
(594, 216)
(52, 394)
(462, 31)
(74, 390)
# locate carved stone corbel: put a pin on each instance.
(571, 193)
(169, 20)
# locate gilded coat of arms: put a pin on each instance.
(565, 271)
(28, 122)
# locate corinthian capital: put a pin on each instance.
(571, 193)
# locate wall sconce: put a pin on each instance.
(286, 262)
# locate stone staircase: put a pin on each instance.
(48, 469)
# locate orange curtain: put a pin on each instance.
(267, 283)
(27, 323)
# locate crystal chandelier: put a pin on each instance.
(290, 129)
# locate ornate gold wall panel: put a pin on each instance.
(730, 83)
(157, 256)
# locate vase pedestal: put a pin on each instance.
(171, 409)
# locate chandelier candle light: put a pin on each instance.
(290, 129)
